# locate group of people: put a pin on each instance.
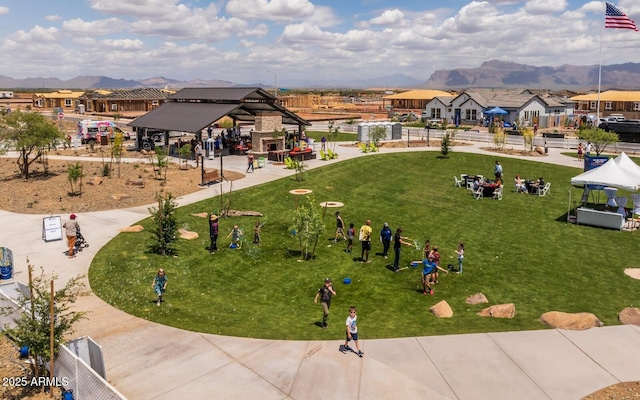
(584, 150)
(431, 259)
(533, 187)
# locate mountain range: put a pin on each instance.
(491, 74)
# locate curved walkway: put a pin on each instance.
(146, 360)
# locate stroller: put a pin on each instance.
(81, 243)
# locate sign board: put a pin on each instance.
(591, 162)
(60, 115)
(51, 228)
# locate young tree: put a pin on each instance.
(165, 225)
(499, 138)
(184, 151)
(162, 163)
(446, 146)
(32, 329)
(116, 149)
(599, 138)
(74, 176)
(30, 133)
(528, 137)
(308, 225)
(376, 133)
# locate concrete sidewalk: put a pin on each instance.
(146, 360)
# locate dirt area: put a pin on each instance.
(513, 152)
(49, 194)
(12, 370)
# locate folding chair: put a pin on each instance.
(497, 194)
(479, 193)
(457, 182)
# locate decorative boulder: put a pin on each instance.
(499, 311)
(570, 321)
(95, 181)
(236, 213)
(188, 235)
(629, 316)
(442, 310)
(134, 228)
(632, 272)
(136, 182)
(119, 196)
(201, 215)
(477, 298)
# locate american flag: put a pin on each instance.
(615, 18)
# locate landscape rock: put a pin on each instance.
(236, 213)
(137, 182)
(570, 321)
(442, 310)
(95, 181)
(629, 316)
(134, 228)
(201, 215)
(632, 272)
(477, 298)
(499, 311)
(188, 235)
(539, 150)
(119, 196)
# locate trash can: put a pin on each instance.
(255, 164)
(6, 263)
(261, 162)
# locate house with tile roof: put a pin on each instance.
(626, 103)
(522, 106)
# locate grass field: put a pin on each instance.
(519, 250)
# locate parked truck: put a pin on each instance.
(89, 130)
(627, 130)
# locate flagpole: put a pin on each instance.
(600, 64)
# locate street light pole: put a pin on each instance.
(275, 83)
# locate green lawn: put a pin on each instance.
(519, 250)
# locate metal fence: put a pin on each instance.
(82, 379)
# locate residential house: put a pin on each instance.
(522, 106)
(131, 101)
(415, 100)
(626, 103)
(64, 99)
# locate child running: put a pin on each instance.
(352, 331)
(159, 284)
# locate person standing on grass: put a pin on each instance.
(236, 235)
(256, 233)
(324, 294)
(159, 284)
(213, 232)
(580, 151)
(460, 253)
(339, 228)
(351, 234)
(352, 331)
(71, 231)
(429, 268)
(365, 241)
(385, 239)
(498, 171)
(398, 241)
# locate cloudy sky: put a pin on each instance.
(240, 40)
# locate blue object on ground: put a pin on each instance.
(347, 281)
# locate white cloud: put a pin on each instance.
(140, 8)
(122, 44)
(52, 18)
(540, 7)
(36, 34)
(388, 17)
(4, 10)
(96, 28)
(272, 10)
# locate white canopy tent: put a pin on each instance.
(611, 174)
(627, 164)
